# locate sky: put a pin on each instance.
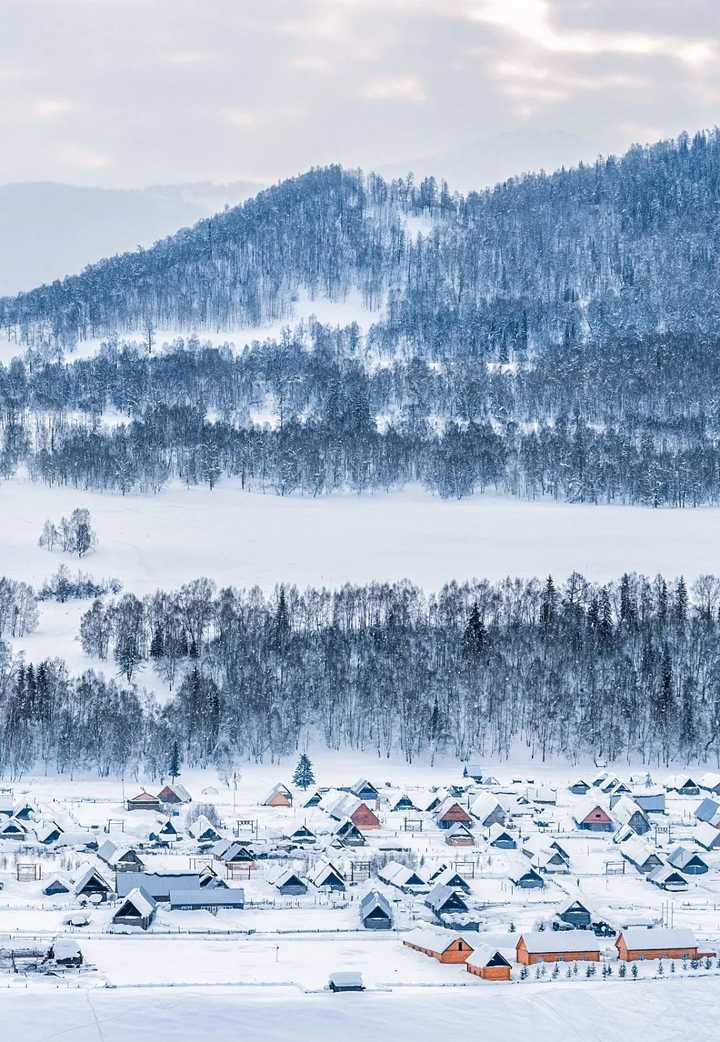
(128, 93)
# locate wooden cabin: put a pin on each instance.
(202, 830)
(443, 945)
(375, 911)
(459, 835)
(650, 801)
(580, 787)
(640, 855)
(144, 801)
(55, 885)
(683, 785)
(557, 946)
(576, 914)
(450, 812)
(687, 861)
(174, 793)
(488, 964)
(487, 810)
(475, 770)
(12, 828)
(349, 834)
(279, 796)
(365, 790)
(656, 942)
(443, 900)
(327, 877)
(138, 909)
(527, 879)
(289, 884)
(667, 878)
(594, 818)
(91, 882)
(500, 837)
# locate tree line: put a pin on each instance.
(629, 670)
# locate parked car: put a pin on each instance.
(602, 929)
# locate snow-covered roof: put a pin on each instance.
(65, 948)
(141, 901)
(485, 805)
(706, 834)
(625, 808)
(637, 850)
(86, 873)
(436, 939)
(561, 941)
(638, 938)
(200, 826)
(322, 871)
(484, 955)
(681, 856)
(663, 873)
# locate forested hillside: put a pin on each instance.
(556, 335)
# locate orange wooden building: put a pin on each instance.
(557, 946)
(443, 945)
(279, 796)
(642, 942)
(489, 964)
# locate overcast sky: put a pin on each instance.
(126, 93)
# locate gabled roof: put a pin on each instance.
(447, 804)
(643, 938)
(706, 835)
(375, 900)
(87, 873)
(552, 941)
(437, 939)
(279, 788)
(486, 955)
(680, 856)
(140, 900)
(286, 876)
(637, 851)
(144, 797)
(625, 809)
(666, 873)
(449, 877)
(323, 872)
(362, 783)
(397, 874)
(485, 805)
(201, 826)
(180, 791)
(13, 827)
(440, 895)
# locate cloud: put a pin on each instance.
(532, 21)
(83, 157)
(400, 88)
(49, 108)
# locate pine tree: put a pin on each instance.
(303, 776)
(475, 636)
(173, 768)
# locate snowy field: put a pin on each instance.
(664, 1011)
(245, 539)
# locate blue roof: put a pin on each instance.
(216, 898)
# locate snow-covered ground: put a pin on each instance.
(244, 539)
(326, 311)
(193, 973)
(614, 1011)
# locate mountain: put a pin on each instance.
(622, 244)
(553, 336)
(49, 230)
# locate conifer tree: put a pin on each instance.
(303, 776)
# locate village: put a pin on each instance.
(495, 877)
